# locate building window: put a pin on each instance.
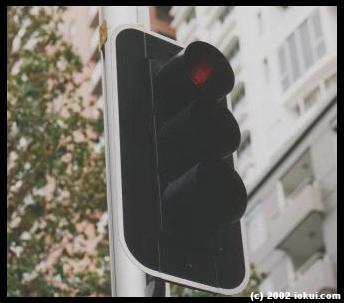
(306, 44)
(293, 56)
(225, 12)
(283, 69)
(301, 50)
(257, 231)
(317, 34)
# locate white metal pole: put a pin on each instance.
(126, 279)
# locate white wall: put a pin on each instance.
(271, 116)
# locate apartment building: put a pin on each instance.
(292, 216)
(81, 25)
(285, 96)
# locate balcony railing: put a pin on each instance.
(300, 217)
(280, 277)
(315, 75)
(317, 275)
(308, 264)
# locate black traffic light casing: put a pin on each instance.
(178, 199)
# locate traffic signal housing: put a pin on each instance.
(178, 198)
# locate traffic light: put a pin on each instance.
(178, 197)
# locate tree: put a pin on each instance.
(57, 242)
(252, 286)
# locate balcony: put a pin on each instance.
(96, 80)
(280, 276)
(93, 13)
(316, 74)
(316, 275)
(298, 228)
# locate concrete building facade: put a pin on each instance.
(285, 95)
(292, 216)
(81, 28)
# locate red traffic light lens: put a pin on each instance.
(201, 73)
(208, 69)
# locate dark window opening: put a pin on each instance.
(226, 11)
(163, 13)
(191, 15)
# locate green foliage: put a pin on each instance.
(252, 286)
(56, 191)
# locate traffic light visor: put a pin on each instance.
(209, 69)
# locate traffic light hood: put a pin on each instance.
(199, 70)
(208, 69)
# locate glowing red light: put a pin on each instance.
(201, 73)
